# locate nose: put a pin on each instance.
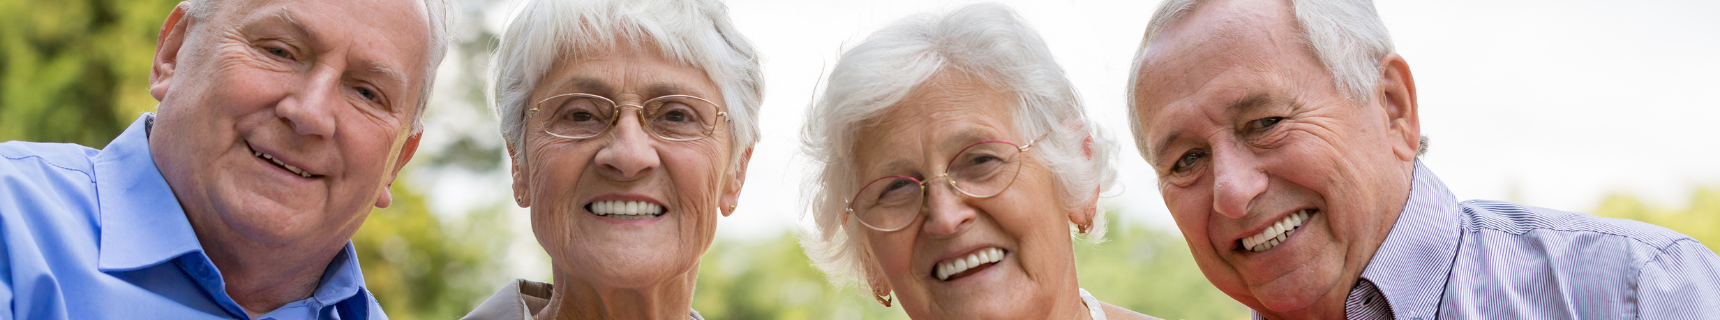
(309, 110)
(629, 153)
(947, 211)
(1237, 180)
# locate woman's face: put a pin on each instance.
(1026, 222)
(576, 188)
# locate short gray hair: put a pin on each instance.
(1347, 36)
(437, 16)
(986, 41)
(696, 33)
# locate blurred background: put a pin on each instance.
(1586, 105)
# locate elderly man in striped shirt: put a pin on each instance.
(1285, 137)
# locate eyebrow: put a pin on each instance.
(1251, 101)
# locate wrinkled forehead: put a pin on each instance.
(389, 36)
(1211, 58)
(944, 113)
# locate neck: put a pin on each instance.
(575, 298)
(262, 277)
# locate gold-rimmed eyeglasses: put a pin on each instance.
(981, 170)
(583, 116)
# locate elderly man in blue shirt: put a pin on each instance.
(281, 123)
(1285, 137)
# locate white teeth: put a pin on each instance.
(295, 170)
(950, 267)
(1275, 234)
(626, 209)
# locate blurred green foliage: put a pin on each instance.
(420, 266)
(1700, 220)
(75, 70)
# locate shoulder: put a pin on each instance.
(1119, 313)
(19, 159)
(1535, 223)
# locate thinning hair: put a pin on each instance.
(437, 15)
(695, 33)
(1347, 36)
(986, 41)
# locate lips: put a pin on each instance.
(626, 209)
(956, 268)
(1275, 234)
(280, 164)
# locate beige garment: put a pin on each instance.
(520, 300)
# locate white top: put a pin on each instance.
(1094, 309)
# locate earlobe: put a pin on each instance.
(521, 193)
(385, 199)
(737, 178)
(1398, 97)
(167, 44)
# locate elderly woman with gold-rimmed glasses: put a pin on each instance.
(629, 125)
(956, 165)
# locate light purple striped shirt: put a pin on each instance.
(1497, 260)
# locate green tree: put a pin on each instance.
(1700, 220)
(75, 70)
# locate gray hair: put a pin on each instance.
(437, 11)
(1347, 36)
(696, 33)
(986, 41)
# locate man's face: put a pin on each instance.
(1247, 131)
(284, 121)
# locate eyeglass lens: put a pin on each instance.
(582, 116)
(981, 170)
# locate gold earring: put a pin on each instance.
(732, 208)
(884, 299)
(1086, 227)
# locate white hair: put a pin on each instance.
(985, 41)
(436, 15)
(1347, 36)
(696, 33)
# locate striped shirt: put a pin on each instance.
(1497, 260)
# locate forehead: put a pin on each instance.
(389, 38)
(627, 68)
(1223, 54)
(949, 110)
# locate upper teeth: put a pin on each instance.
(625, 209)
(1275, 234)
(951, 267)
(289, 167)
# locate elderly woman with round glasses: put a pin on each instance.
(629, 125)
(956, 165)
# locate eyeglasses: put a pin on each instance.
(583, 116)
(981, 170)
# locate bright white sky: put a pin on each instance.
(1548, 103)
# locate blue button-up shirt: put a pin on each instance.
(97, 234)
(1497, 260)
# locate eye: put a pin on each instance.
(581, 116)
(1266, 122)
(279, 52)
(367, 93)
(675, 116)
(1187, 160)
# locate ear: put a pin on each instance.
(167, 45)
(734, 180)
(522, 194)
(1084, 213)
(406, 152)
(875, 278)
(1397, 96)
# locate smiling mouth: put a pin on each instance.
(626, 209)
(952, 269)
(279, 164)
(1272, 236)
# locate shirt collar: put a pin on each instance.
(142, 223)
(1413, 264)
